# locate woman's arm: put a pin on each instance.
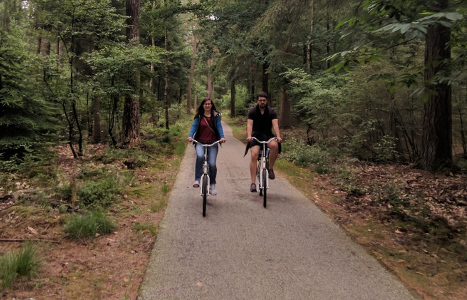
(219, 126)
(193, 128)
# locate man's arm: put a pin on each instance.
(275, 127)
(249, 129)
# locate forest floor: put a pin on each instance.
(414, 222)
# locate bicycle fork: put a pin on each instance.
(263, 166)
(205, 174)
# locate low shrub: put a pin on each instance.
(301, 154)
(99, 193)
(88, 225)
(24, 263)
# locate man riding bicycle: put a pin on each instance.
(261, 119)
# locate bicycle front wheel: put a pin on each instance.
(264, 183)
(258, 176)
(204, 192)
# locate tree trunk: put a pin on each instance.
(328, 42)
(265, 78)
(195, 98)
(232, 98)
(96, 128)
(151, 80)
(437, 121)
(285, 119)
(192, 71)
(166, 86)
(210, 84)
(131, 124)
(309, 62)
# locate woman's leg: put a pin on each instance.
(212, 157)
(199, 162)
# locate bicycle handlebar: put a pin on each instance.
(264, 142)
(206, 145)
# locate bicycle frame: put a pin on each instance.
(205, 187)
(262, 169)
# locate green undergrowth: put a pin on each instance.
(88, 225)
(24, 263)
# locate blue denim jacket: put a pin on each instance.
(217, 126)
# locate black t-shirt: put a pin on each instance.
(262, 123)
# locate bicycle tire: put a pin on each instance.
(258, 170)
(265, 178)
(204, 191)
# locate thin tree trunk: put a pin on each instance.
(265, 78)
(285, 120)
(166, 87)
(192, 71)
(195, 98)
(233, 93)
(210, 85)
(309, 62)
(96, 128)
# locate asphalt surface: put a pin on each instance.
(240, 250)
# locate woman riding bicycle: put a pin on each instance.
(206, 128)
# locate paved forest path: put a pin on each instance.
(240, 250)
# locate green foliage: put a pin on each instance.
(321, 98)
(89, 225)
(101, 193)
(301, 154)
(24, 263)
(26, 119)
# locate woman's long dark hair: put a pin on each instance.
(200, 110)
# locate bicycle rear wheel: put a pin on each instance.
(264, 183)
(204, 192)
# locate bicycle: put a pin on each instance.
(262, 168)
(205, 180)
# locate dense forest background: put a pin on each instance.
(378, 80)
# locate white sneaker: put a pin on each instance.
(213, 189)
(196, 184)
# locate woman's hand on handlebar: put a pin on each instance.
(223, 140)
(190, 139)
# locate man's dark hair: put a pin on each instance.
(262, 94)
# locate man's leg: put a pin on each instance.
(273, 153)
(253, 162)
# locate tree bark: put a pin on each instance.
(437, 121)
(265, 78)
(96, 128)
(210, 84)
(285, 120)
(166, 86)
(131, 124)
(192, 71)
(232, 98)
